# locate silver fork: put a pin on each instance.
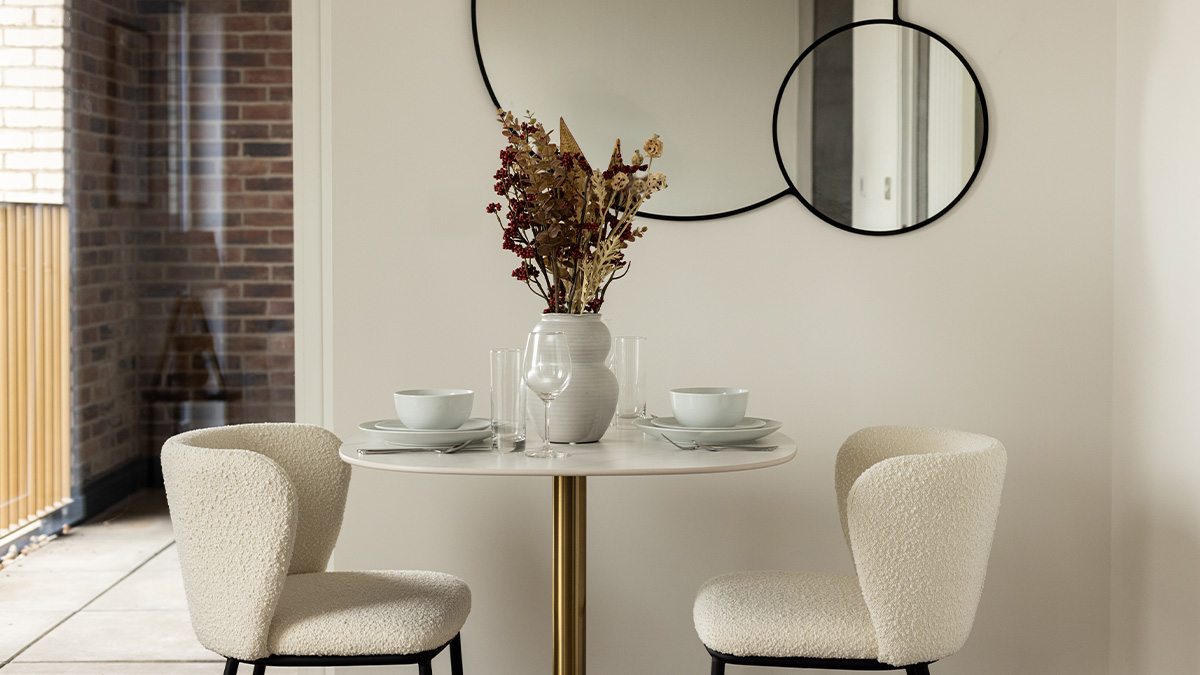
(718, 448)
(397, 450)
(695, 445)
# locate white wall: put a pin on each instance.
(996, 319)
(1156, 536)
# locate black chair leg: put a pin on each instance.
(918, 669)
(718, 667)
(456, 656)
(231, 666)
(425, 667)
(260, 669)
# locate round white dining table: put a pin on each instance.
(619, 453)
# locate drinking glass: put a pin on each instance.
(508, 401)
(629, 365)
(546, 372)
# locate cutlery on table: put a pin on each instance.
(398, 449)
(717, 448)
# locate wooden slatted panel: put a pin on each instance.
(34, 360)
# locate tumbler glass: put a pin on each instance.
(508, 401)
(629, 365)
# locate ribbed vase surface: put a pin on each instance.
(583, 412)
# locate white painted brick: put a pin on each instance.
(16, 56)
(32, 160)
(33, 37)
(49, 180)
(49, 56)
(50, 17)
(45, 119)
(33, 77)
(15, 98)
(33, 197)
(16, 16)
(13, 139)
(15, 180)
(51, 99)
(48, 140)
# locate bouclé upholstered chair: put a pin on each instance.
(256, 510)
(918, 509)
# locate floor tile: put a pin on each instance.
(128, 668)
(121, 636)
(19, 629)
(23, 589)
(92, 550)
(157, 585)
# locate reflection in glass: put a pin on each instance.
(704, 74)
(896, 127)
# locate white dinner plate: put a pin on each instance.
(473, 424)
(428, 438)
(714, 436)
(672, 423)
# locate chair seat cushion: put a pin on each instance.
(785, 614)
(360, 613)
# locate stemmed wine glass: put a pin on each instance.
(546, 372)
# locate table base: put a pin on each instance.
(570, 574)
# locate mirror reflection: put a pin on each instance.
(880, 128)
(703, 74)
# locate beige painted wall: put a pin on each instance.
(996, 319)
(1156, 507)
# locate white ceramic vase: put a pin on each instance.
(583, 412)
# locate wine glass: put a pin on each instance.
(546, 372)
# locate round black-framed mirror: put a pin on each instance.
(899, 126)
(707, 86)
(833, 21)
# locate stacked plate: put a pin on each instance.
(393, 432)
(749, 429)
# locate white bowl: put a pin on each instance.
(434, 408)
(709, 407)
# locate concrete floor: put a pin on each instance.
(105, 599)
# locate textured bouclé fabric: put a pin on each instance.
(919, 509)
(784, 614)
(256, 510)
(347, 613)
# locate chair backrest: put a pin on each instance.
(919, 509)
(250, 504)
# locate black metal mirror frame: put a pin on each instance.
(895, 21)
(642, 214)
(791, 190)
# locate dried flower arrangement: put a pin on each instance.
(569, 224)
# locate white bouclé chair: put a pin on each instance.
(918, 508)
(256, 510)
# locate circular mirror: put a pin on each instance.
(703, 74)
(880, 127)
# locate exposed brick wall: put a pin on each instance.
(104, 285)
(210, 190)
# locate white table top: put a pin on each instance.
(619, 453)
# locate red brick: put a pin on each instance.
(267, 290)
(266, 76)
(246, 167)
(268, 255)
(243, 24)
(268, 219)
(266, 112)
